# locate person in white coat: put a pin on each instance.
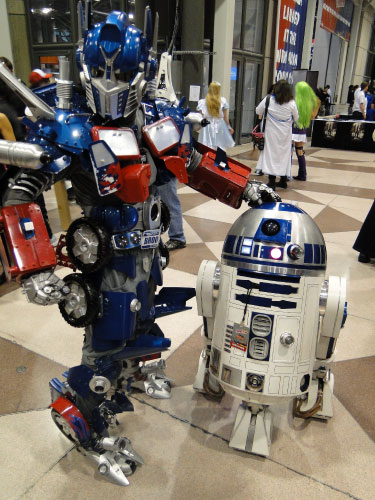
(275, 159)
(218, 133)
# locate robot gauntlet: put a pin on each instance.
(27, 254)
(228, 181)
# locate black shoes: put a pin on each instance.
(282, 184)
(362, 257)
(258, 172)
(296, 178)
(175, 244)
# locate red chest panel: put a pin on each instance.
(24, 242)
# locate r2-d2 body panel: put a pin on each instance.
(267, 314)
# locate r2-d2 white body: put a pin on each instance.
(271, 321)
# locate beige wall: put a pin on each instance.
(223, 41)
(269, 49)
(5, 42)
(18, 36)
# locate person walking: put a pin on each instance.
(168, 194)
(350, 99)
(269, 92)
(214, 107)
(365, 242)
(360, 102)
(275, 159)
(308, 105)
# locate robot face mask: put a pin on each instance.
(114, 57)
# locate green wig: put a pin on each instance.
(306, 101)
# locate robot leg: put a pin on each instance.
(83, 412)
(207, 290)
(333, 311)
(252, 429)
(150, 378)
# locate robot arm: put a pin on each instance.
(25, 248)
(226, 179)
(207, 292)
(332, 304)
(333, 312)
(27, 254)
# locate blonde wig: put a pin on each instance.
(213, 101)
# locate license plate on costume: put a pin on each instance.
(150, 238)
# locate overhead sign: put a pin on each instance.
(292, 19)
(337, 17)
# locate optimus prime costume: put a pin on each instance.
(114, 137)
(271, 321)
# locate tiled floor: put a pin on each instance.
(184, 441)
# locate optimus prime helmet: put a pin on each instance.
(117, 62)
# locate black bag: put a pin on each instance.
(257, 134)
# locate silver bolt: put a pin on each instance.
(287, 339)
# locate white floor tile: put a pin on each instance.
(214, 210)
(31, 445)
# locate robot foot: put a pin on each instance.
(114, 457)
(252, 430)
(118, 460)
(318, 403)
(152, 380)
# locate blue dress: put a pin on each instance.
(216, 134)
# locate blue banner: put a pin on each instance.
(292, 21)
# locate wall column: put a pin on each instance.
(349, 76)
(192, 34)
(223, 43)
(17, 31)
(309, 31)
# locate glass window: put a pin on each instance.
(237, 24)
(101, 8)
(371, 47)
(50, 21)
(254, 25)
(248, 99)
(234, 74)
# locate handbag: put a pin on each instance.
(257, 134)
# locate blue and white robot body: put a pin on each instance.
(272, 321)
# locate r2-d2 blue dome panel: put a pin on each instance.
(276, 237)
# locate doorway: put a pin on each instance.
(244, 96)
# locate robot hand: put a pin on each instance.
(256, 193)
(45, 288)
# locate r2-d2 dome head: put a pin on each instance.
(276, 238)
(117, 64)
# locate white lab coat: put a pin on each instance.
(275, 159)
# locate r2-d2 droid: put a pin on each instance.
(271, 321)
